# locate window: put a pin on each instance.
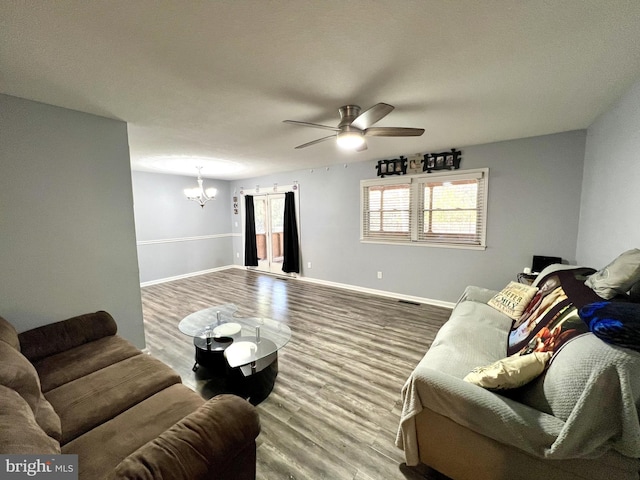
(447, 209)
(389, 212)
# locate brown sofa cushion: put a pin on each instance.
(207, 440)
(18, 374)
(77, 362)
(86, 402)
(48, 419)
(19, 432)
(9, 334)
(142, 422)
(60, 336)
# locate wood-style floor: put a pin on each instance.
(334, 411)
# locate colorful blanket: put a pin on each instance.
(551, 318)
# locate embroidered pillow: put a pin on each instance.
(513, 299)
(510, 372)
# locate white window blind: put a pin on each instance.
(388, 211)
(440, 209)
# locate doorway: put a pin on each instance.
(269, 215)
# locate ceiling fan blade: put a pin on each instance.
(314, 125)
(371, 116)
(393, 132)
(315, 141)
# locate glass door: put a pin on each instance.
(269, 214)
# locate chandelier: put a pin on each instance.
(199, 194)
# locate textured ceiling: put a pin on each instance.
(209, 82)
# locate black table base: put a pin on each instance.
(253, 382)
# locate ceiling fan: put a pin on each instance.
(354, 126)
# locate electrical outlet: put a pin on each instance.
(308, 264)
(237, 254)
(379, 275)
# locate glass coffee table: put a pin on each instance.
(242, 350)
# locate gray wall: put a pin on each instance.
(609, 217)
(67, 238)
(166, 223)
(534, 205)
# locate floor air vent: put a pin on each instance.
(408, 302)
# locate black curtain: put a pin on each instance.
(291, 261)
(250, 249)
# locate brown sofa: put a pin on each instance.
(75, 387)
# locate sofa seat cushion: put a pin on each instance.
(19, 431)
(77, 362)
(89, 401)
(105, 446)
(474, 336)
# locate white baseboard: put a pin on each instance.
(345, 286)
(380, 293)
(186, 275)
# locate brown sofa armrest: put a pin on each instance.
(213, 441)
(61, 336)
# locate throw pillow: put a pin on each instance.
(513, 299)
(617, 277)
(510, 372)
(617, 323)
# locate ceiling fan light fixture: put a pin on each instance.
(350, 140)
(354, 126)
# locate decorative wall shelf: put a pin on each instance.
(395, 166)
(420, 163)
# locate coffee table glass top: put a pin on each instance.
(220, 321)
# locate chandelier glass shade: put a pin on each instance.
(199, 194)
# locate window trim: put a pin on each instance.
(414, 182)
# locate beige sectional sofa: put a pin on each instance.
(76, 387)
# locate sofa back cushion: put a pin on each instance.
(19, 431)
(58, 337)
(18, 375)
(8, 334)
